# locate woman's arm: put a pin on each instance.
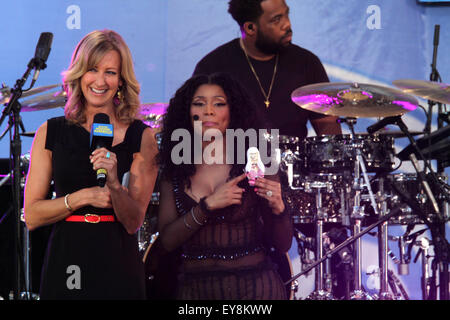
(130, 204)
(40, 211)
(277, 221)
(174, 230)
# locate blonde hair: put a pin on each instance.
(88, 53)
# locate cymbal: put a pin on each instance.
(152, 113)
(5, 94)
(356, 100)
(435, 91)
(45, 101)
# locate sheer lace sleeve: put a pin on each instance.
(175, 229)
(278, 229)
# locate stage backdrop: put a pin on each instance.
(374, 41)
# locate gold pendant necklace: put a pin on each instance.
(266, 96)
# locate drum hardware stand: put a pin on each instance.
(289, 159)
(395, 282)
(306, 251)
(319, 293)
(346, 221)
(403, 263)
(346, 243)
(424, 244)
(441, 245)
(327, 277)
(383, 249)
(357, 216)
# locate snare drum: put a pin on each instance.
(335, 153)
(283, 262)
(302, 203)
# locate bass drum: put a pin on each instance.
(161, 269)
(283, 261)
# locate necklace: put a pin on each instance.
(266, 96)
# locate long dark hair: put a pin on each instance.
(243, 115)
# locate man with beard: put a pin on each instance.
(270, 67)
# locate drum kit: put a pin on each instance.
(347, 181)
(342, 180)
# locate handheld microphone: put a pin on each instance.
(41, 54)
(195, 117)
(382, 123)
(102, 135)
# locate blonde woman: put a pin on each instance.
(92, 252)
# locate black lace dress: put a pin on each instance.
(228, 258)
(103, 256)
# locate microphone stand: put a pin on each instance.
(435, 76)
(12, 110)
(437, 225)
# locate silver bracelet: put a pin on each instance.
(195, 219)
(66, 202)
(186, 224)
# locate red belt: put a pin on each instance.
(91, 218)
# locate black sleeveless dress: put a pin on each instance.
(86, 260)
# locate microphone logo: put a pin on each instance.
(101, 130)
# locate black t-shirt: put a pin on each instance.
(297, 67)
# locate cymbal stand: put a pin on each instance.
(319, 293)
(383, 248)
(357, 216)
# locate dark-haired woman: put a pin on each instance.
(224, 227)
